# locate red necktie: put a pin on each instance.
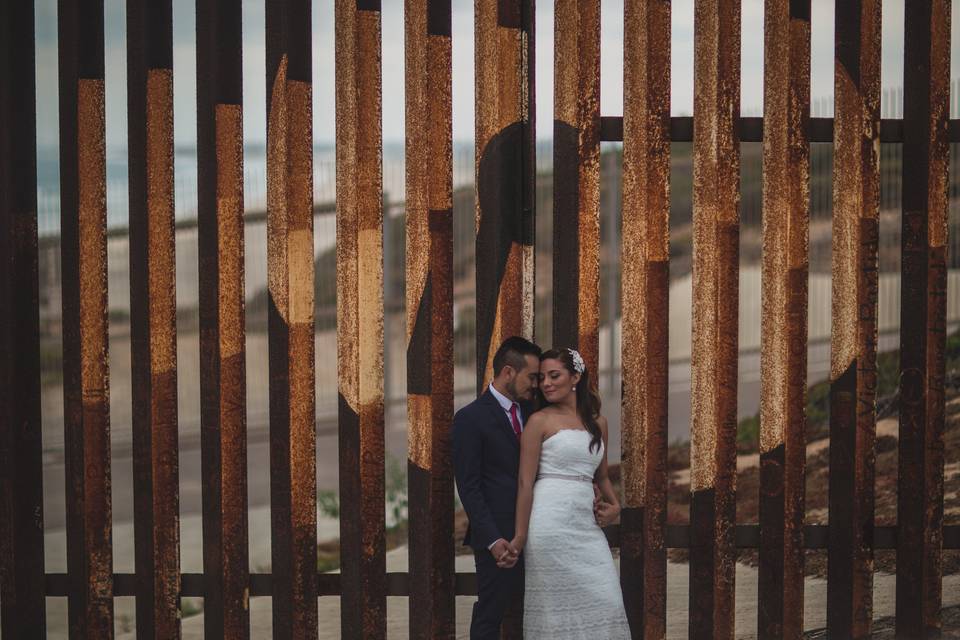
(515, 420)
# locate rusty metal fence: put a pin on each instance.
(505, 230)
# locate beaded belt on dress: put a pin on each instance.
(563, 476)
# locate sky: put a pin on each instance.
(611, 80)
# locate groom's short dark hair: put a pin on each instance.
(512, 352)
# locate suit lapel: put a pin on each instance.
(500, 416)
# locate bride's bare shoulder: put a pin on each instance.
(544, 413)
(537, 419)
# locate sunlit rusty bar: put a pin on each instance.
(923, 318)
(853, 344)
(290, 280)
(645, 255)
(716, 222)
(22, 604)
(429, 278)
(360, 318)
(222, 353)
(86, 394)
(153, 317)
(505, 171)
(783, 359)
(576, 173)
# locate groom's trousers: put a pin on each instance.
(500, 594)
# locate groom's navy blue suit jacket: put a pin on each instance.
(486, 459)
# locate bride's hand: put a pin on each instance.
(606, 513)
(516, 545)
(508, 557)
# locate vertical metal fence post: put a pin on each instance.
(86, 394)
(153, 317)
(360, 318)
(923, 317)
(505, 171)
(716, 223)
(645, 264)
(853, 345)
(429, 294)
(290, 279)
(22, 585)
(222, 352)
(783, 382)
(576, 178)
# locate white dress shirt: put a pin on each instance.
(506, 403)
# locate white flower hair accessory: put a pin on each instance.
(578, 364)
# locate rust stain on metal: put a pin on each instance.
(229, 123)
(429, 268)
(505, 167)
(645, 292)
(153, 319)
(576, 163)
(360, 318)
(87, 422)
(786, 195)
(231, 475)
(160, 207)
(22, 582)
(291, 284)
(854, 331)
(716, 156)
(222, 364)
(923, 327)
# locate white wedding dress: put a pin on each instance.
(572, 589)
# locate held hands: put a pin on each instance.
(605, 513)
(516, 548)
(505, 554)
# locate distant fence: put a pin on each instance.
(505, 303)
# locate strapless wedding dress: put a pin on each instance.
(572, 589)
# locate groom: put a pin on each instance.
(486, 458)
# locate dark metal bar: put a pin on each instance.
(716, 221)
(853, 376)
(751, 129)
(22, 605)
(360, 318)
(786, 219)
(645, 255)
(923, 315)
(853, 353)
(747, 536)
(429, 269)
(222, 353)
(576, 172)
(505, 172)
(290, 280)
(85, 361)
(153, 317)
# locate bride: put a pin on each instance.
(571, 584)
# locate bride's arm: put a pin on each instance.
(530, 443)
(606, 513)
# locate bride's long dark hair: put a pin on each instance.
(588, 400)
